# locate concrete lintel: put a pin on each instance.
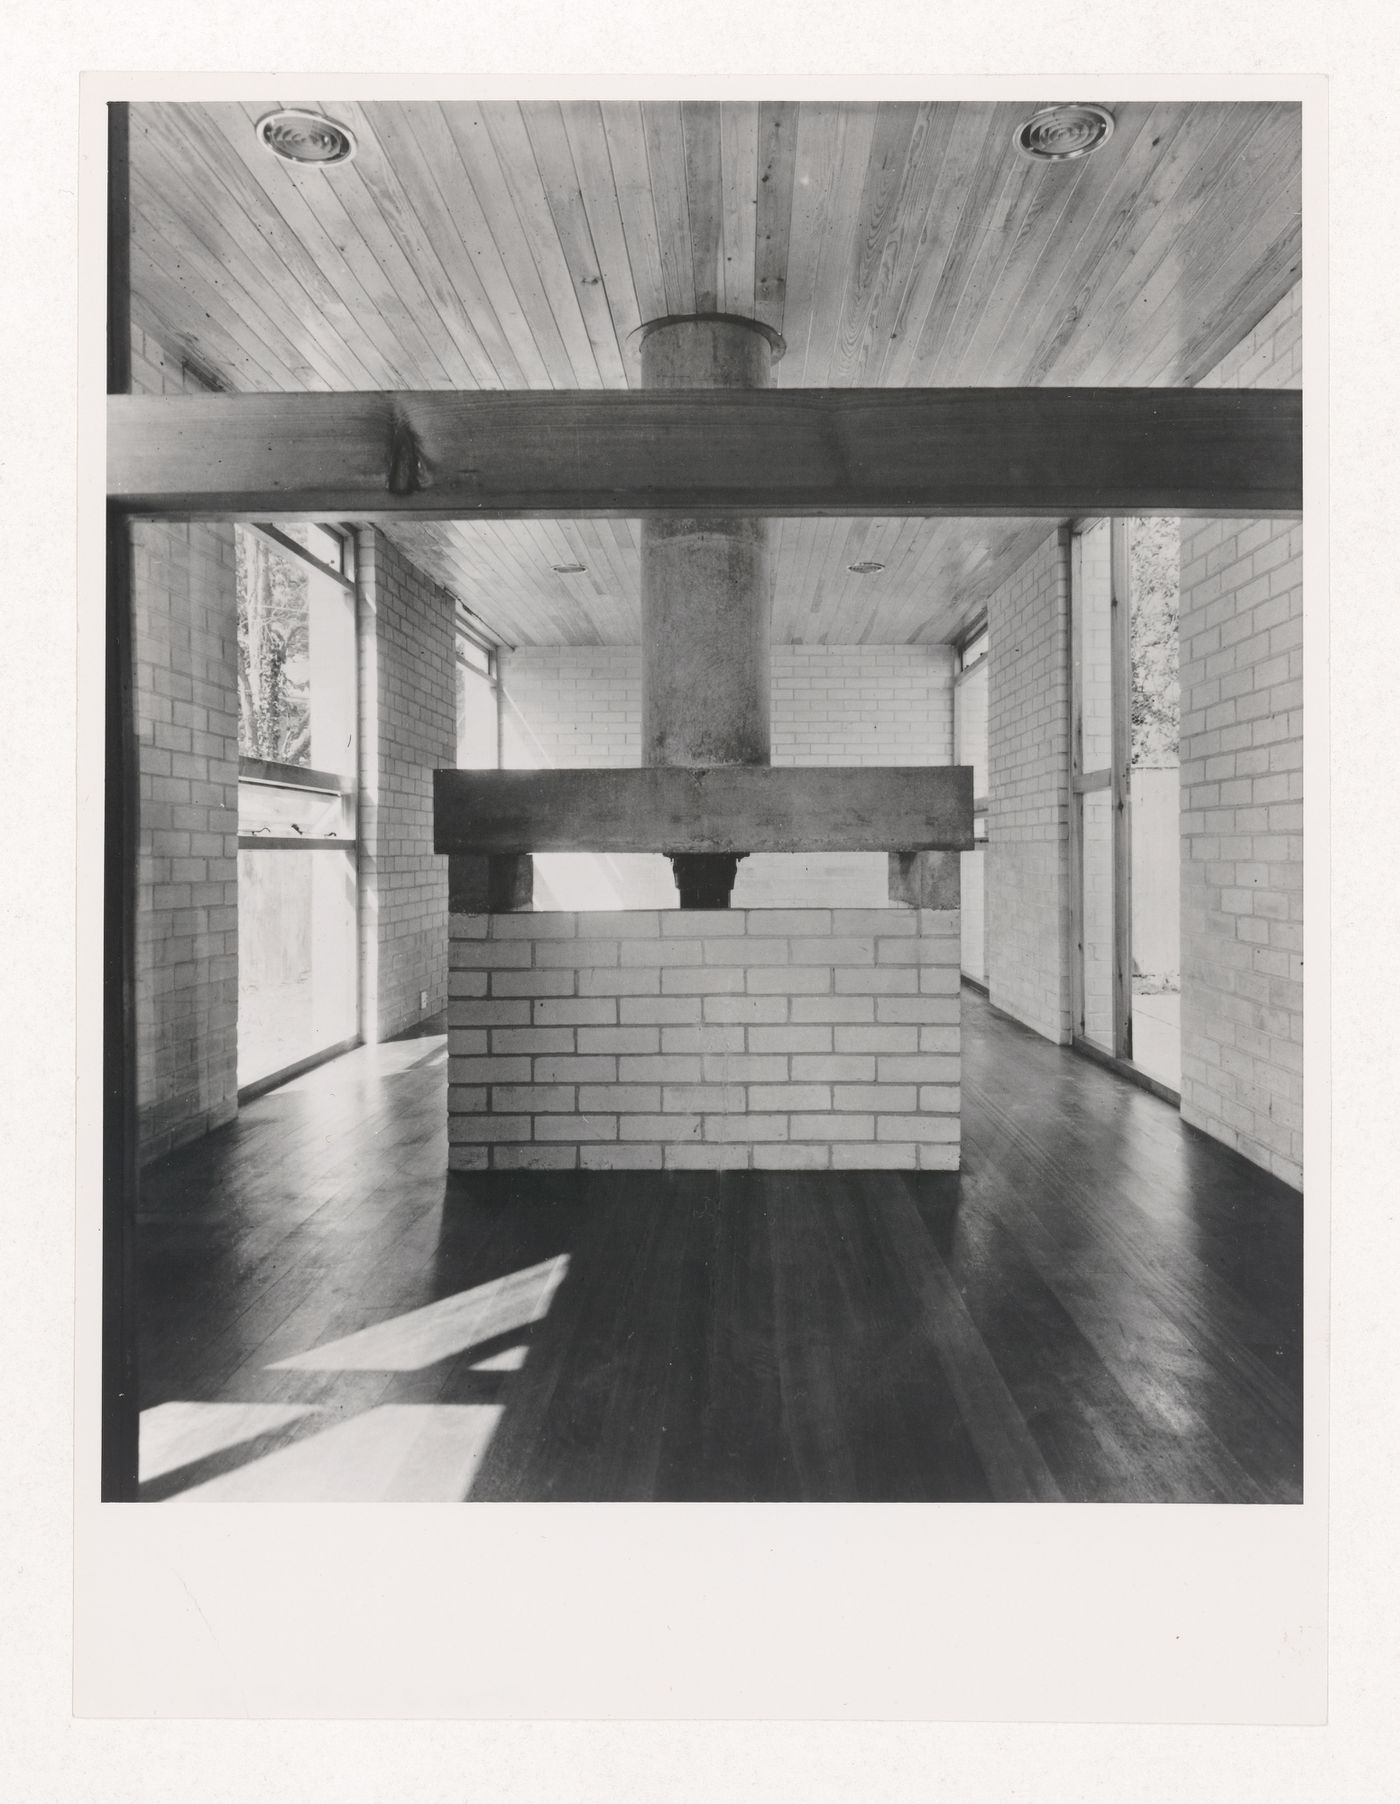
(721, 808)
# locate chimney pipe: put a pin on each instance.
(707, 595)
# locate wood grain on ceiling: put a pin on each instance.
(518, 246)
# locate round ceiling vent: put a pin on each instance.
(867, 568)
(308, 138)
(1059, 134)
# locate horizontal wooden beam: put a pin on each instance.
(996, 451)
(719, 808)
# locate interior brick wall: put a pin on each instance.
(763, 1038)
(568, 706)
(186, 708)
(408, 728)
(862, 704)
(1027, 858)
(1242, 804)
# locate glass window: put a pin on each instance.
(1125, 793)
(1095, 818)
(970, 728)
(1093, 648)
(286, 812)
(477, 704)
(975, 649)
(297, 956)
(274, 644)
(970, 698)
(298, 742)
(296, 652)
(1154, 581)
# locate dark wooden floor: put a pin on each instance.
(1103, 1305)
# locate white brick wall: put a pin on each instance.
(1242, 804)
(764, 1038)
(574, 705)
(569, 706)
(186, 655)
(1027, 859)
(408, 729)
(862, 704)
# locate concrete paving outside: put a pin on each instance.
(1157, 1036)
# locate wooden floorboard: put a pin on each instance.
(1103, 1306)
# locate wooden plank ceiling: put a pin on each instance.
(518, 246)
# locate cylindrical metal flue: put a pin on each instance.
(707, 594)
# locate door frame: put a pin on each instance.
(1116, 778)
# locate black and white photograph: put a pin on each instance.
(701, 1014)
(704, 801)
(700, 850)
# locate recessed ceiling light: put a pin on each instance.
(868, 568)
(1060, 134)
(568, 569)
(307, 138)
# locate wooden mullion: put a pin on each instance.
(1121, 689)
(1076, 801)
(293, 776)
(293, 842)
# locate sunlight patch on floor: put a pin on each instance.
(394, 1453)
(511, 1360)
(440, 1330)
(179, 1433)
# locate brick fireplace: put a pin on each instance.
(769, 1039)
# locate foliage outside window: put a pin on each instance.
(1154, 562)
(274, 653)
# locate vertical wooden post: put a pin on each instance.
(120, 1408)
(498, 695)
(1121, 691)
(1076, 770)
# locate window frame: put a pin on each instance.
(311, 781)
(966, 668)
(467, 635)
(273, 774)
(1114, 777)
